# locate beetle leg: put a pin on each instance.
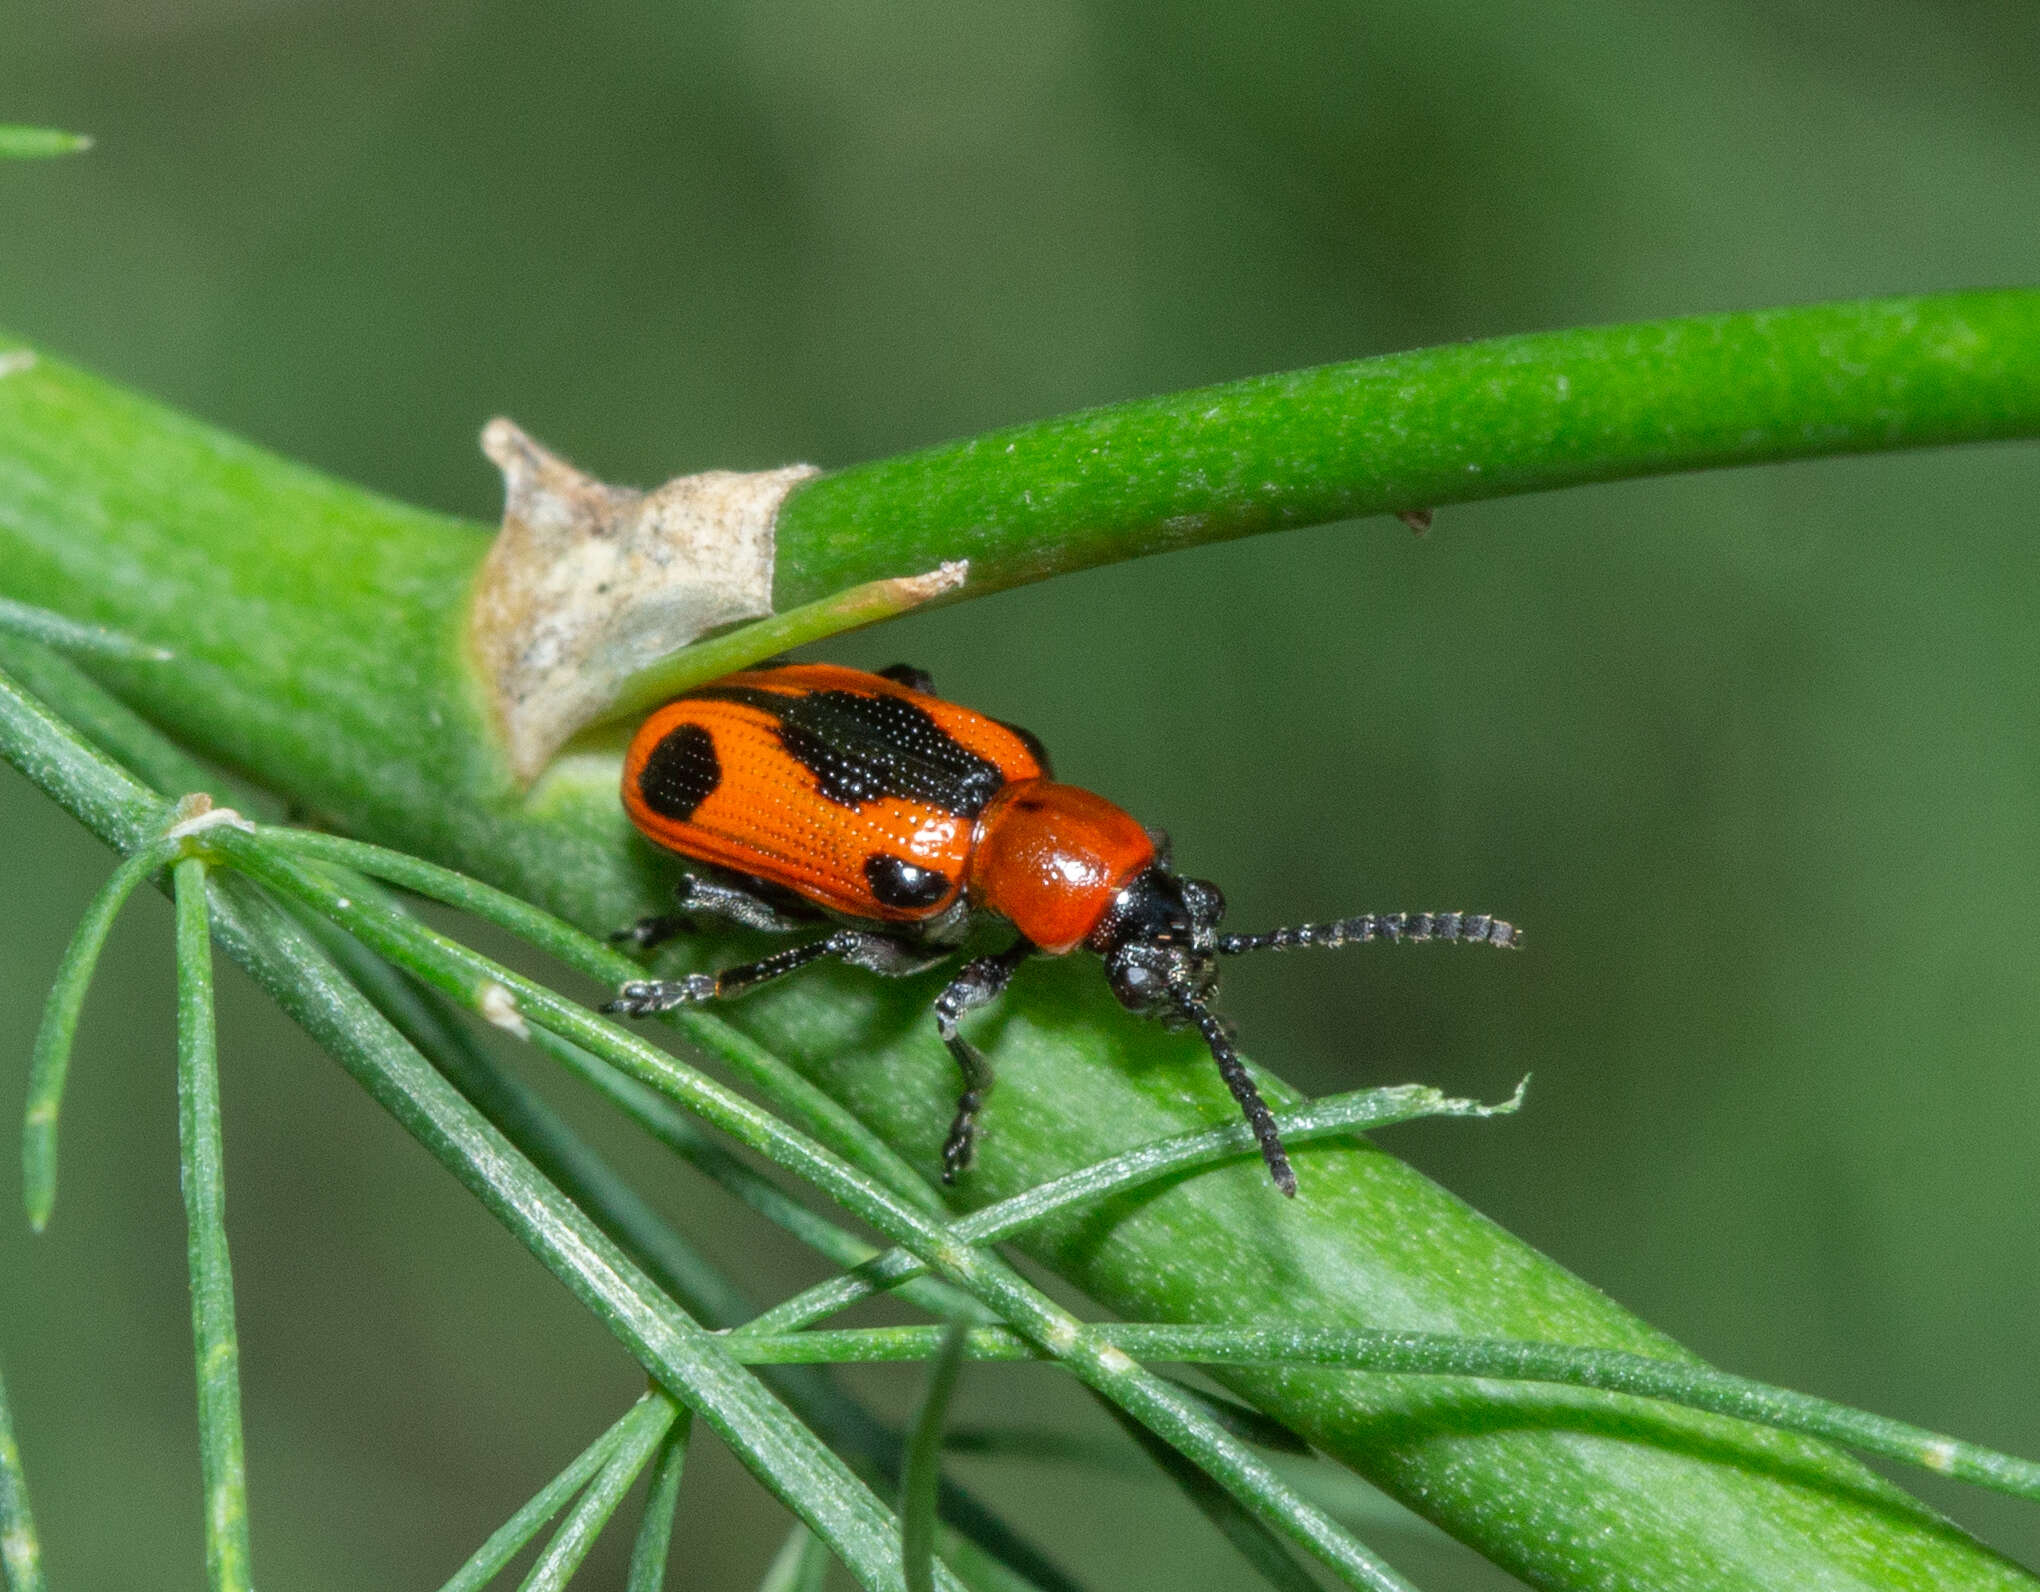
(907, 675)
(881, 953)
(735, 903)
(714, 898)
(654, 930)
(979, 983)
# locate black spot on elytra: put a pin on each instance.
(682, 773)
(861, 748)
(899, 884)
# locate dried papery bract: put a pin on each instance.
(588, 583)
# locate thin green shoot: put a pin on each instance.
(649, 1548)
(67, 635)
(924, 1461)
(1269, 1555)
(644, 1430)
(510, 1538)
(800, 1565)
(853, 609)
(1358, 1110)
(826, 1118)
(52, 1056)
(738, 1178)
(673, 1261)
(1439, 1354)
(203, 1152)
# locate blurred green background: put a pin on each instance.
(1751, 755)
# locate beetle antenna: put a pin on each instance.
(1471, 928)
(1255, 1109)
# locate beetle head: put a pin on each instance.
(1159, 942)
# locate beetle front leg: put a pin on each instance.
(979, 983)
(881, 953)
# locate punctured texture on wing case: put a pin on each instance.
(849, 788)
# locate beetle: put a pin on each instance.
(811, 793)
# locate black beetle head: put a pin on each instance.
(1159, 943)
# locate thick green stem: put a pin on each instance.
(318, 639)
(1438, 425)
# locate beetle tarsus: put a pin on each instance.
(978, 983)
(645, 997)
(960, 1147)
(1241, 1083)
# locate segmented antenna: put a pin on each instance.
(1472, 928)
(1234, 1072)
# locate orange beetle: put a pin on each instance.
(816, 793)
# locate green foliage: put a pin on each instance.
(1138, 1232)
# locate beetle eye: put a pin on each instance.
(1205, 900)
(1137, 981)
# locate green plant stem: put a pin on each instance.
(813, 1110)
(1358, 1110)
(651, 1112)
(919, 1484)
(1253, 1541)
(983, 1544)
(318, 638)
(51, 1062)
(1438, 425)
(679, 1268)
(20, 1549)
(203, 1150)
(688, 1361)
(1437, 1354)
(800, 1565)
(508, 1539)
(644, 1429)
(468, 976)
(654, 1537)
(54, 630)
(833, 615)
(1369, 1108)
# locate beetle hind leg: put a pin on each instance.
(737, 903)
(880, 953)
(978, 983)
